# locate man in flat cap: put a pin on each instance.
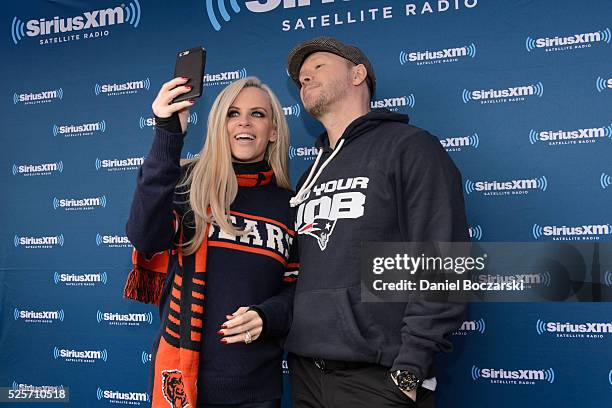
(376, 178)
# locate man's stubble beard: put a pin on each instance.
(335, 92)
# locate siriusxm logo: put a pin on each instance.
(574, 330)
(475, 232)
(84, 279)
(293, 110)
(43, 169)
(84, 129)
(145, 357)
(326, 20)
(39, 97)
(224, 78)
(513, 94)
(456, 144)
(577, 233)
(511, 187)
(88, 20)
(253, 6)
(528, 280)
(132, 398)
(118, 397)
(602, 84)
(113, 241)
(394, 103)
(437, 57)
(81, 204)
(561, 137)
(80, 356)
(608, 278)
(31, 387)
(144, 123)
(129, 163)
(125, 88)
(43, 316)
(471, 326)
(39, 242)
(572, 42)
(306, 153)
(125, 319)
(605, 180)
(517, 377)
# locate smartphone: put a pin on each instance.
(190, 63)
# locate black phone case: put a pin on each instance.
(190, 63)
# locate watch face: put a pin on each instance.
(406, 380)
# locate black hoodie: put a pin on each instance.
(389, 181)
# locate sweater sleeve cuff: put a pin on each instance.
(167, 146)
(264, 327)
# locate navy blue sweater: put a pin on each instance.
(241, 271)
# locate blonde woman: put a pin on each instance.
(215, 249)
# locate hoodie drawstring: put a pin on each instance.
(305, 190)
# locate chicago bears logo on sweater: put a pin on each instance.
(318, 216)
(173, 389)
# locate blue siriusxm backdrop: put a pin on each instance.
(519, 92)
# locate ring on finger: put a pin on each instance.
(248, 338)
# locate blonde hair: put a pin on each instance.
(211, 184)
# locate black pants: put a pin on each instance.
(369, 386)
(265, 404)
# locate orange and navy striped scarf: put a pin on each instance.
(177, 356)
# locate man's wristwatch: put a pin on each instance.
(406, 381)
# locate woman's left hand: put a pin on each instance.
(234, 330)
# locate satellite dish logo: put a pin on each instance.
(293, 110)
(435, 57)
(605, 180)
(39, 97)
(124, 14)
(521, 376)
(602, 84)
(541, 327)
(212, 17)
(608, 278)
(569, 42)
(475, 232)
(145, 358)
